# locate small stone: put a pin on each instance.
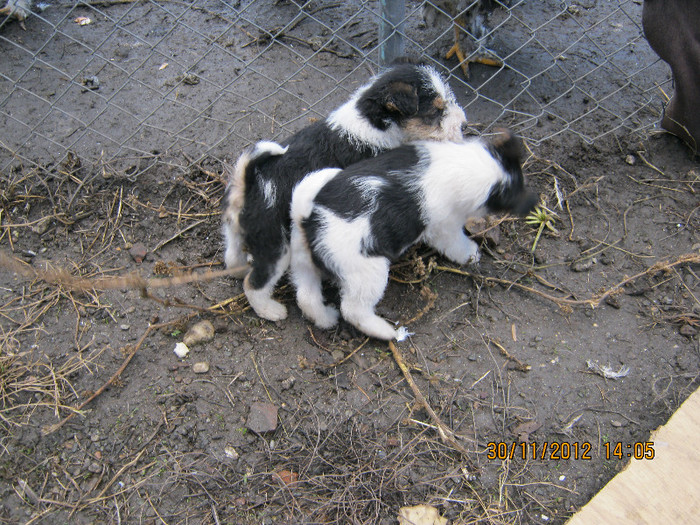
(582, 265)
(202, 332)
(95, 467)
(124, 327)
(688, 330)
(42, 226)
(288, 383)
(285, 478)
(617, 423)
(614, 301)
(631, 160)
(200, 368)
(190, 79)
(138, 252)
(231, 452)
(607, 259)
(484, 229)
(262, 417)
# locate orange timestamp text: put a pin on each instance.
(565, 450)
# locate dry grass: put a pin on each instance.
(29, 384)
(344, 471)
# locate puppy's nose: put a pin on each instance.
(526, 204)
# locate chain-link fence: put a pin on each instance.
(126, 83)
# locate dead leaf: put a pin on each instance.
(285, 477)
(523, 430)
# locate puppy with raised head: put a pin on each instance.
(350, 224)
(405, 103)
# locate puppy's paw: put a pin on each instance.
(474, 258)
(326, 318)
(272, 311)
(471, 255)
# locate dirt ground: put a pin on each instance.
(281, 423)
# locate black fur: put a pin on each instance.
(398, 95)
(267, 230)
(351, 223)
(394, 210)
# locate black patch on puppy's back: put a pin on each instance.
(344, 195)
(384, 188)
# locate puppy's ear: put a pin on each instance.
(401, 98)
(508, 145)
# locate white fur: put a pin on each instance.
(369, 185)
(307, 278)
(452, 123)
(269, 193)
(446, 205)
(439, 84)
(454, 180)
(454, 117)
(234, 255)
(360, 132)
(306, 191)
(363, 286)
(357, 130)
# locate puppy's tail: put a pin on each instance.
(305, 192)
(234, 199)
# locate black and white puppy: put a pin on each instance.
(350, 224)
(405, 103)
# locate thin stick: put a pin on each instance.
(431, 298)
(447, 435)
(50, 429)
(519, 365)
(594, 301)
(336, 363)
(178, 234)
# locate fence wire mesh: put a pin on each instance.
(127, 83)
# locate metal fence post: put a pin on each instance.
(391, 26)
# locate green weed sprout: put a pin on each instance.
(541, 217)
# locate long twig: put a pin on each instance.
(50, 429)
(446, 434)
(594, 301)
(133, 280)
